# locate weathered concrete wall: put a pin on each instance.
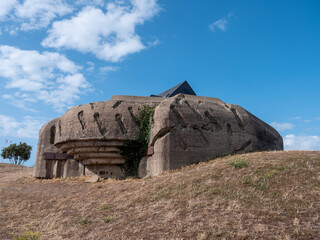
(90, 134)
(47, 136)
(110, 120)
(187, 129)
(105, 171)
(52, 168)
(71, 168)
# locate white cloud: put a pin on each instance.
(220, 24)
(282, 126)
(39, 13)
(110, 35)
(27, 128)
(32, 14)
(106, 69)
(48, 77)
(13, 31)
(6, 7)
(293, 142)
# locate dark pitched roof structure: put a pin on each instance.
(183, 87)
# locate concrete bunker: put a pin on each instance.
(186, 129)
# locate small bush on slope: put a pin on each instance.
(238, 163)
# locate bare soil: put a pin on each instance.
(267, 195)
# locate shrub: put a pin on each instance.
(105, 207)
(247, 180)
(135, 149)
(238, 163)
(83, 221)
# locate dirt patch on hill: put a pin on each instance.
(269, 195)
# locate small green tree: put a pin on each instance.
(17, 154)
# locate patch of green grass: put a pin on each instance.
(28, 235)
(238, 163)
(260, 182)
(105, 207)
(269, 174)
(107, 219)
(247, 180)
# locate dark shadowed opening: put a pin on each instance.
(52, 134)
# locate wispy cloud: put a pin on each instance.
(154, 43)
(282, 126)
(107, 69)
(293, 142)
(47, 77)
(28, 127)
(110, 34)
(32, 14)
(91, 66)
(6, 6)
(221, 24)
(20, 100)
(39, 14)
(296, 118)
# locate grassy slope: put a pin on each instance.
(277, 196)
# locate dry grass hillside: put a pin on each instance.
(268, 195)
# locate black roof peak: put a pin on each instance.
(182, 87)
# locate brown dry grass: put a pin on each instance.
(277, 196)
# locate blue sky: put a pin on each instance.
(262, 55)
